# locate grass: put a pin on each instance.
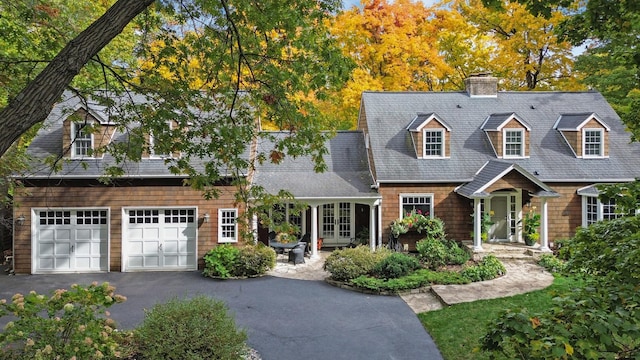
(457, 329)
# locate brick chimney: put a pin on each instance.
(481, 85)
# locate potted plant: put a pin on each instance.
(530, 223)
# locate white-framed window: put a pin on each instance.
(154, 151)
(81, 140)
(227, 225)
(433, 143)
(285, 213)
(422, 203)
(513, 143)
(594, 210)
(592, 142)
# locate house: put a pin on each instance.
(147, 219)
(461, 156)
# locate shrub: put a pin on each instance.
(433, 253)
(457, 255)
(419, 278)
(395, 265)
(254, 260)
(199, 328)
(220, 261)
(551, 263)
(489, 268)
(70, 324)
(348, 264)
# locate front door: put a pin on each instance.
(335, 223)
(504, 217)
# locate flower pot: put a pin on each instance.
(529, 240)
(319, 243)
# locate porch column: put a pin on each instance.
(372, 229)
(314, 231)
(544, 233)
(380, 224)
(477, 225)
(254, 228)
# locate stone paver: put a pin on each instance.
(312, 269)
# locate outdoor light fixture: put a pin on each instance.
(206, 217)
(20, 220)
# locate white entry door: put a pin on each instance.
(505, 217)
(160, 239)
(70, 240)
(336, 221)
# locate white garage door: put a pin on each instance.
(160, 239)
(71, 240)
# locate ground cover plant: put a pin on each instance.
(226, 261)
(386, 271)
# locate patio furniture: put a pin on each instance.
(306, 238)
(297, 253)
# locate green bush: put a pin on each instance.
(551, 263)
(489, 268)
(419, 278)
(69, 324)
(457, 255)
(561, 249)
(220, 261)
(199, 328)
(226, 261)
(348, 264)
(433, 253)
(254, 260)
(395, 265)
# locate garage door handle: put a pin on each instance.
(72, 248)
(160, 247)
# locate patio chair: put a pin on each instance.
(306, 238)
(297, 253)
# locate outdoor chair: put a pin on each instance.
(306, 238)
(297, 253)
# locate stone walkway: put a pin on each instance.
(522, 276)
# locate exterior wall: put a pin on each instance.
(115, 198)
(574, 140)
(418, 139)
(495, 137)
(564, 212)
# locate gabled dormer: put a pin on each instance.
(508, 134)
(430, 136)
(85, 132)
(585, 133)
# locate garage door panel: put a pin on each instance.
(71, 240)
(160, 239)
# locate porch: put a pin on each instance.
(507, 251)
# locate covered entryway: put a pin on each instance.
(505, 209)
(70, 240)
(159, 239)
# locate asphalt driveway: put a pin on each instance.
(285, 319)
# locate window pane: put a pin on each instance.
(421, 204)
(513, 143)
(592, 142)
(81, 140)
(433, 143)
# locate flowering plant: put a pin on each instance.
(419, 222)
(531, 222)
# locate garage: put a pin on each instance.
(159, 239)
(70, 240)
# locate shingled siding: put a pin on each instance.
(452, 208)
(564, 212)
(115, 198)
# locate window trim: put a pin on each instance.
(584, 143)
(74, 140)
(221, 238)
(522, 142)
(402, 196)
(600, 207)
(442, 143)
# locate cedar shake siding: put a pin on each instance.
(114, 199)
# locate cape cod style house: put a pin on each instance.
(461, 156)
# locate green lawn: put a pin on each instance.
(458, 328)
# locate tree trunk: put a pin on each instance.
(33, 104)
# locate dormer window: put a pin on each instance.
(433, 143)
(513, 143)
(429, 135)
(156, 150)
(508, 134)
(82, 141)
(585, 133)
(593, 146)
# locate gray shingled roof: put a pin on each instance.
(573, 122)
(495, 121)
(495, 170)
(48, 142)
(388, 114)
(347, 175)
